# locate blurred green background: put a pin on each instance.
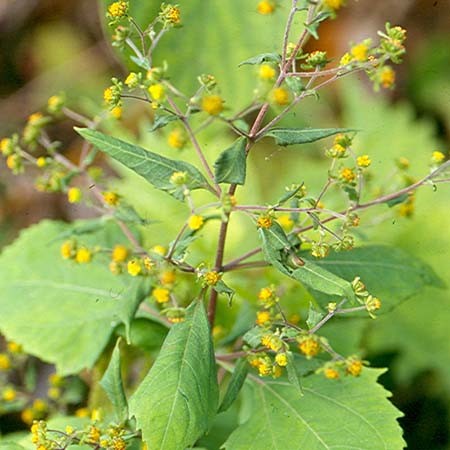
(47, 46)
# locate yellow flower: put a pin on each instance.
(277, 371)
(177, 139)
(161, 295)
(9, 394)
(118, 9)
(157, 91)
(331, 373)
(309, 346)
(82, 412)
(41, 161)
(280, 96)
(111, 198)
(437, 157)
(373, 303)
(264, 221)
(148, 263)
(134, 267)
(35, 118)
(354, 367)
(266, 293)
(69, 429)
(265, 368)
(262, 317)
(40, 405)
(14, 347)
(119, 253)
(347, 175)
(266, 7)
(96, 415)
(83, 255)
(363, 161)
(266, 72)
(27, 416)
(173, 15)
(55, 103)
(167, 277)
(116, 112)
(108, 95)
(14, 162)
(6, 146)
(334, 4)
(195, 222)
(54, 393)
(360, 52)
(211, 278)
(281, 359)
(56, 380)
(74, 195)
(67, 250)
(387, 77)
(212, 104)
(286, 222)
(159, 250)
(94, 435)
(346, 59)
(178, 178)
(132, 80)
(407, 209)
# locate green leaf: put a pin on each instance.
(277, 251)
(350, 413)
(177, 400)
(292, 373)
(234, 386)
(388, 272)
(314, 276)
(67, 311)
(222, 288)
(156, 169)
(262, 58)
(253, 336)
(162, 120)
(231, 165)
(112, 383)
(292, 136)
(397, 200)
(314, 316)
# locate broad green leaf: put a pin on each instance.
(177, 400)
(262, 58)
(112, 383)
(292, 136)
(388, 272)
(277, 251)
(231, 165)
(67, 311)
(316, 277)
(352, 413)
(156, 169)
(234, 386)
